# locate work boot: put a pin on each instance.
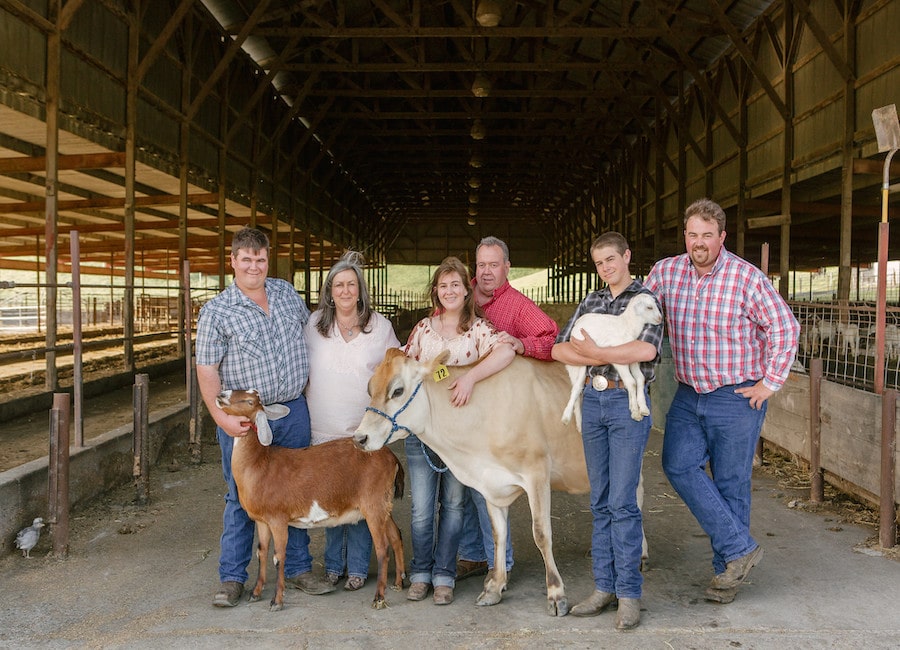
(469, 568)
(593, 604)
(629, 614)
(417, 591)
(310, 584)
(723, 596)
(443, 595)
(737, 570)
(229, 595)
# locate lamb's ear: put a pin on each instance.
(276, 411)
(263, 430)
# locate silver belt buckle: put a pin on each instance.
(600, 383)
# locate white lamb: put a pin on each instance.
(608, 330)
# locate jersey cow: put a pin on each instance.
(507, 440)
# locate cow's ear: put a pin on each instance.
(441, 359)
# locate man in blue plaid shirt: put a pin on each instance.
(250, 336)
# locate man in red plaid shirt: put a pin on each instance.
(733, 342)
(532, 333)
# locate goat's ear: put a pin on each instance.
(263, 430)
(276, 411)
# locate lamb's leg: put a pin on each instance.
(639, 387)
(630, 386)
(576, 375)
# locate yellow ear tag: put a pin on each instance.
(441, 373)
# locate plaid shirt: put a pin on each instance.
(726, 327)
(602, 302)
(510, 311)
(255, 350)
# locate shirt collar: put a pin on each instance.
(499, 291)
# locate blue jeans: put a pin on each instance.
(348, 546)
(719, 428)
(477, 541)
(614, 450)
(237, 528)
(437, 514)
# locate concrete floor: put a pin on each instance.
(144, 578)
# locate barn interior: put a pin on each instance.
(410, 129)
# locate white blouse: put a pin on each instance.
(425, 343)
(339, 373)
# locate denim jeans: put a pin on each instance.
(237, 528)
(719, 428)
(477, 540)
(614, 450)
(437, 514)
(348, 546)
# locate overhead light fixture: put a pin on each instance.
(471, 221)
(476, 161)
(481, 87)
(473, 197)
(487, 13)
(474, 182)
(478, 131)
(473, 211)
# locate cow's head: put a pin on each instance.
(398, 405)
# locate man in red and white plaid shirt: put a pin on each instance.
(532, 333)
(733, 341)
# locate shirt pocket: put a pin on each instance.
(251, 344)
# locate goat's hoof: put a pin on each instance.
(487, 598)
(558, 607)
(397, 587)
(275, 606)
(636, 416)
(254, 597)
(379, 603)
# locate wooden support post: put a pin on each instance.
(141, 439)
(887, 529)
(58, 489)
(816, 477)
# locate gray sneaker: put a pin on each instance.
(229, 595)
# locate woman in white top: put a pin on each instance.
(454, 326)
(346, 340)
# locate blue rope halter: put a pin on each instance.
(395, 427)
(393, 418)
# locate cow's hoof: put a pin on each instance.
(275, 607)
(487, 598)
(379, 603)
(558, 607)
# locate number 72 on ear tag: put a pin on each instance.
(440, 373)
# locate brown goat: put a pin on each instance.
(322, 486)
